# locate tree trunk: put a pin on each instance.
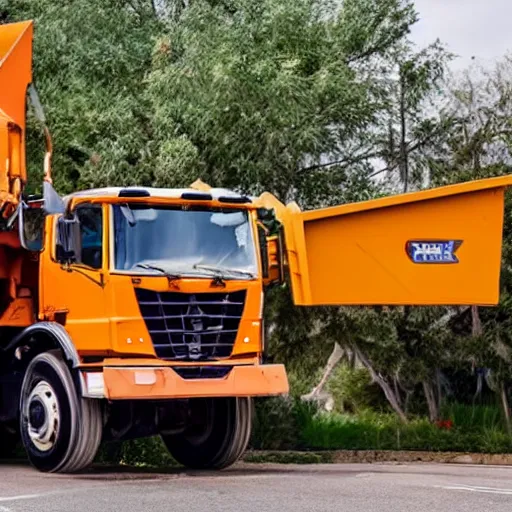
(397, 391)
(316, 393)
(404, 157)
(443, 321)
(408, 395)
(385, 386)
(476, 323)
(433, 406)
(439, 389)
(505, 406)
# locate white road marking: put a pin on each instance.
(23, 497)
(4, 509)
(475, 488)
(480, 487)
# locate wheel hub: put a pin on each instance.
(37, 414)
(43, 416)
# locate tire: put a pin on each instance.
(218, 436)
(61, 432)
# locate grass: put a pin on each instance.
(298, 426)
(476, 417)
(478, 431)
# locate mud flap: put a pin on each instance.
(440, 246)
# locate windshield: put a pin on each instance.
(194, 241)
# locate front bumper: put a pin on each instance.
(159, 383)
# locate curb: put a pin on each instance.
(376, 456)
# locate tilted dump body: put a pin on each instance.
(15, 76)
(434, 247)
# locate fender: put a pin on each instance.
(57, 333)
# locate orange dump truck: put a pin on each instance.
(128, 312)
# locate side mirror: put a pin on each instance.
(275, 259)
(31, 222)
(272, 257)
(270, 235)
(68, 249)
(53, 203)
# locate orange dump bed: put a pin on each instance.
(435, 247)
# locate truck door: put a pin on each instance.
(435, 247)
(75, 296)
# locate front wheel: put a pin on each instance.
(216, 436)
(60, 431)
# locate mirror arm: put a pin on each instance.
(40, 116)
(52, 201)
(68, 267)
(48, 156)
(15, 216)
(21, 226)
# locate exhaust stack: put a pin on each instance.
(15, 76)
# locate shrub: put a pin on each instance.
(278, 423)
(353, 390)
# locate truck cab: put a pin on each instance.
(174, 275)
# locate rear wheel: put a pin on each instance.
(216, 436)
(60, 431)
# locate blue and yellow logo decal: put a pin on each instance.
(433, 251)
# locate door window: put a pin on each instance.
(91, 234)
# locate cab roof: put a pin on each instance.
(113, 193)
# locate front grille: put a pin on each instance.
(186, 326)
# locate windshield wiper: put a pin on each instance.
(222, 271)
(218, 280)
(171, 277)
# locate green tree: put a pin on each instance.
(411, 126)
(90, 59)
(269, 94)
(478, 145)
(253, 95)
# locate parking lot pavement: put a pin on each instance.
(269, 487)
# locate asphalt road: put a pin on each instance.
(273, 488)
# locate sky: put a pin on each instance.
(470, 28)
